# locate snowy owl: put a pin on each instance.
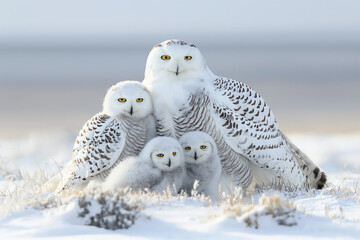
(201, 163)
(119, 131)
(187, 96)
(160, 164)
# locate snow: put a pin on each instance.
(331, 213)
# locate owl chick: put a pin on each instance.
(201, 163)
(160, 164)
(119, 131)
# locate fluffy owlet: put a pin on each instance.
(119, 131)
(187, 96)
(160, 164)
(201, 163)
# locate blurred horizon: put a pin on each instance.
(58, 58)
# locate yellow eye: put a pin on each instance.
(174, 153)
(202, 147)
(122, 99)
(188, 57)
(139, 99)
(187, 148)
(160, 155)
(165, 57)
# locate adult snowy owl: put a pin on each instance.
(119, 131)
(160, 164)
(201, 163)
(187, 96)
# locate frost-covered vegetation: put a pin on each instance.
(26, 212)
(120, 208)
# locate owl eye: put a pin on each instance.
(165, 57)
(187, 148)
(188, 57)
(174, 153)
(160, 155)
(202, 147)
(139, 99)
(122, 99)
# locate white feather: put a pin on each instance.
(149, 171)
(121, 130)
(235, 113)
(202, 163)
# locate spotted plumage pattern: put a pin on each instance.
(175, 42)
(249, 126)
(246, 134)
(188, 96)
(196, 116)
(101, 144)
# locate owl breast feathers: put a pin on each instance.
(188, 96)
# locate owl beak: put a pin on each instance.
(195, 156)
(131, 110)
(169, 164)
(177, 70)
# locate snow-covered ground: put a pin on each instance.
(332, 213)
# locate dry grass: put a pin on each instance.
(282, 211)
(20, 191)
(344, 192)
(335, 213)
(120, 208)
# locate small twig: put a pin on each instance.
(57, 165)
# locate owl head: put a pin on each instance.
(165, 153)
(175, 60)
(198, 147)
(128, 99)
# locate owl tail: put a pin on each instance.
(316, 178)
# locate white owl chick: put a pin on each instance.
(119, 131)
(188, 96)
(160, 164)
(201, 163)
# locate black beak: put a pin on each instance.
(195, 156)
(177, 70)
(169, 164)
(131, 111)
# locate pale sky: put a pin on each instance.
(32, 18)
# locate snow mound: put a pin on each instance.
(25, 166)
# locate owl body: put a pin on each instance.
(121, 130)
(202, 163)
(133, 173)
(159, 165)
(233, 114)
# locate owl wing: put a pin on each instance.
(173, 179)
(147, 176)
(97, 147)
(249, 127)
(134, 173)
